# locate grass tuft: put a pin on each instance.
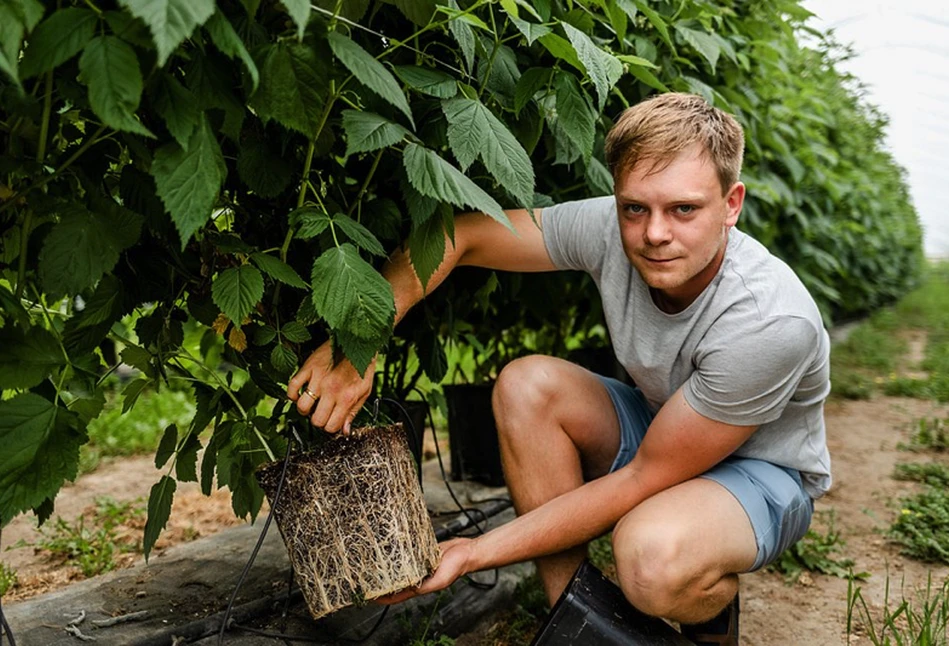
(920, 619)
(816, 552)
(922, 526)
(8, 578)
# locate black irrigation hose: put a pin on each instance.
(4, 626)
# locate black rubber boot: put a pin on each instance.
(721, 630)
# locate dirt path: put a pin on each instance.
(863, 438)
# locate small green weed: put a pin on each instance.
(520, 624)
(852, 385)
(922, 526)
(8, 578)
(416, 631)
(922, 620)
(816, 552)
(92, 548)
(600, 553)
(933, 474)
(928, 434)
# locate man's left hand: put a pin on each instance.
(456, 559)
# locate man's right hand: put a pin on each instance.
(330, 395)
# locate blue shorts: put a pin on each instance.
(773, 497)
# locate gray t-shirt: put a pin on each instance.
(750, 350)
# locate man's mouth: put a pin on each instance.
(658, 261)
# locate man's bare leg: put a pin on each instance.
(557, 426)
(677, 553)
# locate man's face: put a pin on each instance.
(674, 224)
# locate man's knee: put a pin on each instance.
(524, 388)
(653, 567)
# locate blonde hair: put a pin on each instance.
(661, 127)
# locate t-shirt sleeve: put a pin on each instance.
(575, 233)
(747, 376)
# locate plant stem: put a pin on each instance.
(301, 195)
(365, 183)
(94, 139)
(44, 124)
(21, 261)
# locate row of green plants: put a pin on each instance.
(243, 167)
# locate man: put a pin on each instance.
(710, 466)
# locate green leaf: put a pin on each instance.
(105, 305)
(369, 72)
(109, 67)
(265, 172)
(427, 249)
(166, 446)
(283, 359)
(295, 332)
(367, 131)
(83, 246)
(159, 509)
(648, 78)
(299, 11)
(636, 60)
(57, 39)
(226, 39)
(236, 291)
(530, 30)
(186, 464)
(434, 177)
(418, 11)
(138, 358)
(561, 48)
(170, 21)
(264, 334)
(360, 352)
(278, 270)
(352, 296)
(27, 358)
(132, 392)
(293, 83)
(598, 64)
(529, 84)
(12, 309)
(575, 119)
(177, 107)
(188, 181)
(703, 43)
(40, 452)
(358, 234)
(465, 37)
(312, 221)
(656, 21)
(427, 81)
(473, 129)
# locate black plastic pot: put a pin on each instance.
(473, 435)
(413, 414)
(593, 610)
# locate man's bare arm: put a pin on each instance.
(340, 391)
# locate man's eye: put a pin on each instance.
(635, 208)
(685, 209)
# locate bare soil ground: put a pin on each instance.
(863, 438)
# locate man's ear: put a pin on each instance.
(734, 200)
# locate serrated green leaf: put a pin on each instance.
(310, 220)
(369, 72)
(575, 116)
(529, 84)
(83, 246)
(166, 446)
(427, 81)
(648, 78)
(295, 332)
(132, 392)
(418, 11)
(177, 107)
(105, 304)
(561, 48)
(283, 359)
(358, 234)
(703, 43)
(299, 11)
(40, 452)
(265, 172)
(434, 177)
(264, 334)
(130, 29)
(226, 39)
(160, 498)
(12, 309)
(465, 37)
(352, 296)
(636, 60)
(170, 21)
(186, 464)
(188, 181)
(293, 84)
(367, 131)
(597, 62)
(27, 357)
(531, 31)
(57, 39)
(427, 249)
(138, 358)
(359, 351)
(278, 270)
(656, 21)
(237, 291)
(109, 67)
(473, 129)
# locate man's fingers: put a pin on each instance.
(306, 399)
(321, 416)
(398, 597)
(296, 384)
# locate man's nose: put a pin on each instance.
(657, 231)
